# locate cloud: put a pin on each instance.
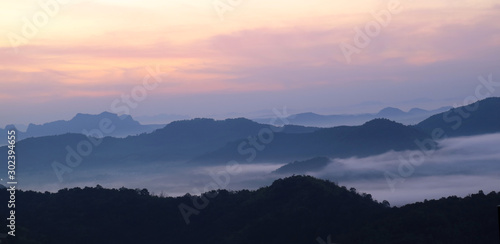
(462, 166)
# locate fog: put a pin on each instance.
(461, 166)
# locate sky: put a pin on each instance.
(209, 58)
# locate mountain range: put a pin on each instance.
(413, 116)
(121, 126)
(372, 138)
(208, 141)
(126, 125)
(178, 141)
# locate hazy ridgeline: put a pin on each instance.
(187, 156)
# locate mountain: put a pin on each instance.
(208, 141)
(372, 138)
(413, 116)
(302, 167)
(178, 141)
(298, 209)
(390, 112)
(182, 140)
(481, 117)
(119, 126)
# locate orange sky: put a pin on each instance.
(92, 51)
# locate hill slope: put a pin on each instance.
(482, 117)
(302, 167)
(178, 141)
(372, 138)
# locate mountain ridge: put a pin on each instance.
(413, 116)
(481, 117)
(123, 125)
(374, 137)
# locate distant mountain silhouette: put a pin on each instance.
(178, 141)
(208, 141)
(390, 112)
(299, 209)
(482, 117)
(374, 137)
(124, 126)
(302, 167)
(413, 116)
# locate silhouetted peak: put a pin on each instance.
(382, 122)
(417, 111)
(240, 120)
(106, 113)
(80, 116)
(390, 111)
(297, 183)
(191, 122)
(31, 125)
(10, 127)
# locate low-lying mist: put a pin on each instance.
(460, 166)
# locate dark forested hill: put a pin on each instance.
(299, 209)
(447, 220)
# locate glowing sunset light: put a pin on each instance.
(103, 47)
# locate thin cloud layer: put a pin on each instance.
(462, 166)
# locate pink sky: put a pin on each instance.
(262, 55)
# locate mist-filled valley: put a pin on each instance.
(460, 166)
(247, 176)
